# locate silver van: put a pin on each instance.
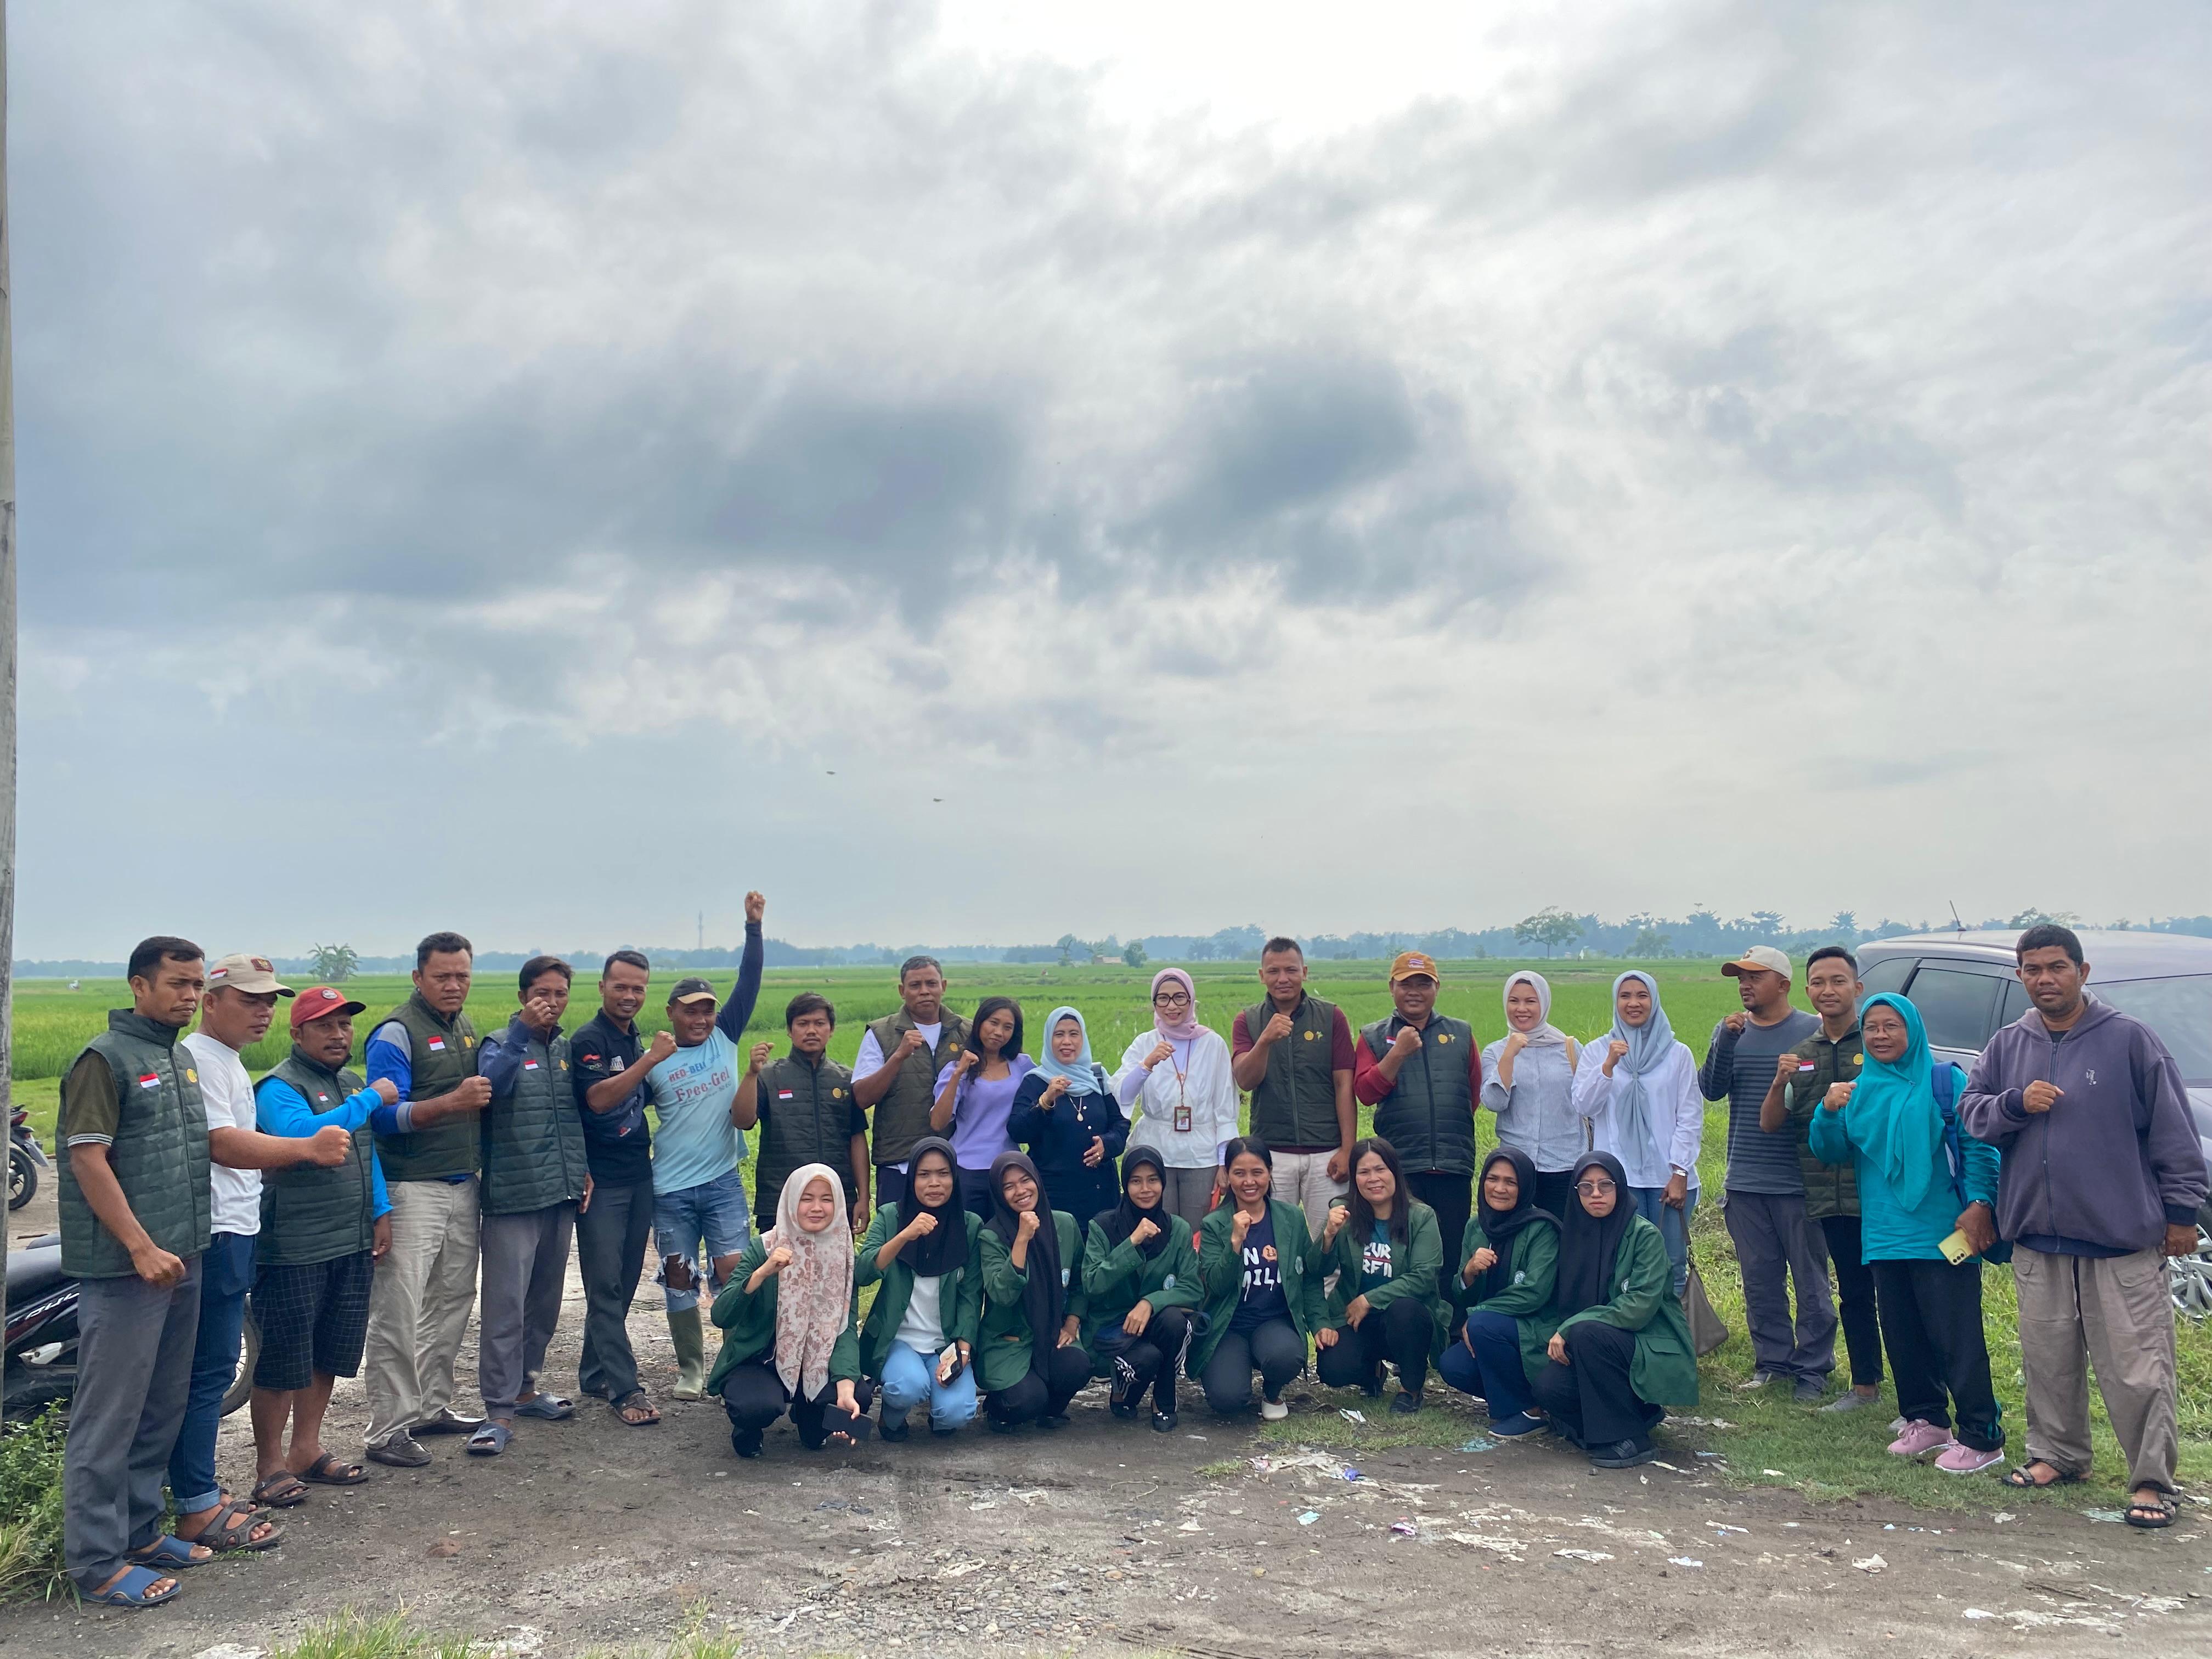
(1966, 985)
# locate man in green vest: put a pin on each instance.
(535, 1177)
(1292, 1054)
(895, 1075)
(135, 1202)
(803, 1107)
(429, 1144)
(1422, 1072)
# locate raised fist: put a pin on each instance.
(328, 1146)
(662, 1046)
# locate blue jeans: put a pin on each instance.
(910, 1378)
(713, 1211)
(1674, 1226)
(1494, 1372)
(225, 1275)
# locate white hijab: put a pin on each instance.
(1545, 1034)
(814, 1294)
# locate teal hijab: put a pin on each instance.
(1894, 1118)
(1082, 1072)
(1649, 1044)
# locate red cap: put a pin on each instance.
(321, 1002)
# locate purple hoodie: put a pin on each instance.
(2115, 1160)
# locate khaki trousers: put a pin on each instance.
(2116, 1314)
(418, 1308)
(1301, 1178)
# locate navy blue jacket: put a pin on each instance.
(1057, 1139)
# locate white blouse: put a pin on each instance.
(1675, 1108)
(1195, 1079)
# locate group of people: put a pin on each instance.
(1028, 1225)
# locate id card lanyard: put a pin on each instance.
(1182, 1114)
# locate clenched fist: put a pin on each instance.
(328, 1146)
(1026, 1228)
(662, 1046)
(2041, 1097)
(1838, 1095)
(1481, 1262)
(778, 1260)
(1615, 1052)
(1161, 1050)
(1406, 1043)
(759, 1056)
(922, 1226)
(1144, 1232)
(1279, 1027)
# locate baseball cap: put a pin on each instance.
(321, 1002)
(1759, 957)
(694, 989)
(1410, 963)
(255, 974)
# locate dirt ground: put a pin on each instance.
(1105, 1538)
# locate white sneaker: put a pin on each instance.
(1272, 1411)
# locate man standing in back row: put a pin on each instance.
(428, 1144)
(1292, 1054)
(1763, 1203)
(894, 1073)
(2102, 1181)
(1422, 1072)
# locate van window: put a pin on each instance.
(2015, 1003)
(1888, 974)
(1959, 1009)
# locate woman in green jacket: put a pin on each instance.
(786, 1320)
(1621, 1349)
(1509, 1259)
(1387, 1254)
(1263, 1296)
(1030, 1363)
(1141, 1276)
(923, 1252)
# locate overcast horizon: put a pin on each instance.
(982, 471)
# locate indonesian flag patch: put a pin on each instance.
(783, 1094)
(529, 1065)
(437, 1045)
(150, 1080)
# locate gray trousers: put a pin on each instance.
(610, 1239)
(524, 1260)
(1776, 1242)
(134, 1371)
(2117, 1313)
(1189, 1194)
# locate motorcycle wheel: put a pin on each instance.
(249, 1350)
(31, 1389)
(22, 1177)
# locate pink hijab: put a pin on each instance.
(814, 1294)
(1190, 1028)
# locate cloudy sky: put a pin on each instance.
(985, 471)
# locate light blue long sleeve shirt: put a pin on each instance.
(281, 1110)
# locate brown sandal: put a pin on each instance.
(635, 1400)
(330, 1470)
(230, 1529)
(280, 1491)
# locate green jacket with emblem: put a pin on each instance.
(1829, 1189)
(1003, 1343)
(1527, 1300)
(957, 1311)
(454, 1147)
(533, 1141)
(1294, 1104)
(1416, 1270)
(747, 1319)
(1665, 1370)
(1303, 1263)
(815, 1126)
(310, 1214)
(160, 1154)
(1116, 1277)
(902, 1114)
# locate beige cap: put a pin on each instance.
(1759, 957)
(254, 973)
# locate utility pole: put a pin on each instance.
(7, 640)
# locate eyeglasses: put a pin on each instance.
(1171, 1000)
(1594, 1189)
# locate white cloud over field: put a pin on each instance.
(487, 466)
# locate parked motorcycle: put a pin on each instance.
(26, 1157)
(41, 1336)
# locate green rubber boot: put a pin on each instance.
(690, 1338)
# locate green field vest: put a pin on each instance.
(159, 1156)
(442, 1056)
(1295, 1104)
(902, 1114)
(1429, 1116)
(533, 1141)
(311, 1214)
(815, 1126)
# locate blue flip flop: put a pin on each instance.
(490, 1440)
(548, 1407)
(168, 1551)
(130, 1590)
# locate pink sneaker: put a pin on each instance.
(1962, 1459)
(1920, 1437)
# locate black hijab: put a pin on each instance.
(1502, 1227)
(1122, 1220)
(1588, 1247)
(947, 1247)
(1044, 1298)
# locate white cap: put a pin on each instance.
(1759, 957)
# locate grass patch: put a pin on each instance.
(348, 1635)
(30, 1511)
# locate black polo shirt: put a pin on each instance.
(617, 1146)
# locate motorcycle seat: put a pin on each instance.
(33, 1268)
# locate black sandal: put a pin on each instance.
(635, 1400)
(2152, 1513)
(2020, 1481)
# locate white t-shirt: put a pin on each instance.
(923, 1328)
(234, 1195)
(870, 1059)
